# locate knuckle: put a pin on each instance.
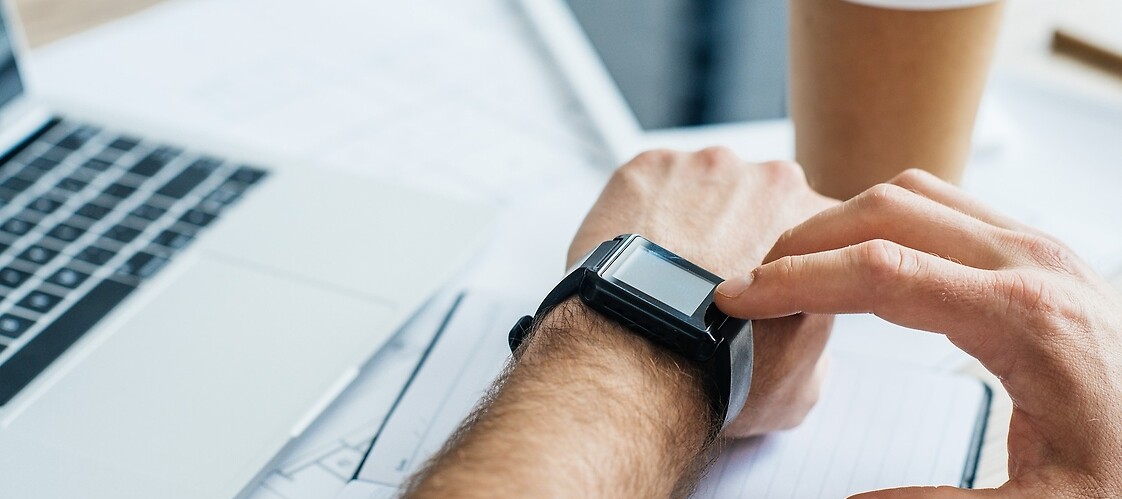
(787, 267)
(1046, 252)
(1033, 299)
(652, 157)
(643, 167)
(883, 197)
(1024, 291)
(914, 179)
(885, 261)
(784, 170)
(717, 156)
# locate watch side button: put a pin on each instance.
(712, 316)
(519, 332)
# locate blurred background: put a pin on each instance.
(687, 62)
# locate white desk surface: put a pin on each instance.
(499, 109)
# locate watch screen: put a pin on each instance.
(662, 280)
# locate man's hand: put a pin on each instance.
(920, 253)
(725, 214)
(589, 409)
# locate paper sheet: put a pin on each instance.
(445, 94)
(469, 354)
(876, 426)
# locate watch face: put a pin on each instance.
(662, 280)
(671, 281)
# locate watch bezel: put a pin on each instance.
(691, 335)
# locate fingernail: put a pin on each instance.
(734, 287)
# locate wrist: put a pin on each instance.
(628, 365)
(640, 390)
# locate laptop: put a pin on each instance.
(170, 319)
(627, 88)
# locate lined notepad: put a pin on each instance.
(874, 427)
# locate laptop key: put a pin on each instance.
(30, 174)
(77, 138)
(97, 165)
(124, 143)
(45, 205)
(12, 278)
(122, 233)
(154, 161)
(43, 163)
(221, 196)
(68, 278)
(85, 175)
(57, 153)
(248, 175)
(93, 211)
(66, 232)
(17, 226)
(72, 184)
(38, 301)
(95, 255)
(224, 195)
(149, 212)
(38, 255)
(13, 325)
(119, 190)
(7, 195)
(185, 182)
(198, 218)
(16, 184)
(172, 239)
(207, 163)
(143, 265)
(31, 216)
(57, 337)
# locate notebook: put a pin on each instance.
(876, 426)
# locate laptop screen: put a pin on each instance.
(10, 84)
(683, 63)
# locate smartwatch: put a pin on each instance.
(668, 300)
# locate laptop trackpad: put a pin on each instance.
(174, 396)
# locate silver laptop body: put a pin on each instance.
(169, 319)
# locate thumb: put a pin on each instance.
(940, 492)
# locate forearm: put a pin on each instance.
(876, 91)
(588, 410)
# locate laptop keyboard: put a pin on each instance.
(86, 217)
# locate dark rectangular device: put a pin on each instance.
(645, 286)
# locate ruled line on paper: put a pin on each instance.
(875, 427)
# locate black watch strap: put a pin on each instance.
(731, 372)
(568, 287)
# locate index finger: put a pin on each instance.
(899, 284)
